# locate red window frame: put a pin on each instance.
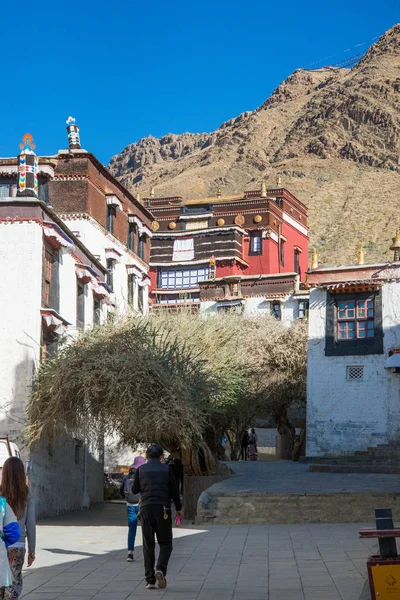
(355, 319)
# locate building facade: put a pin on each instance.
(74, 251)
(247, 252)
(353, 385)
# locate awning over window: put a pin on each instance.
(393, 362)
(102, 290)
(86, 274)
(55, 236)
(112, 200)
(183, 250)
(53, 321)
(142, 228)
(133, 270)
(230, 303)
(114, 254)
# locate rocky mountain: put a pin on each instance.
(333, 135)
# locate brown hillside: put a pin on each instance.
(332, 134)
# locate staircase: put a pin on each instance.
(384, 458)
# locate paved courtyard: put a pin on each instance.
(82, 557)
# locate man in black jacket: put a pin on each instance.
(156, 484)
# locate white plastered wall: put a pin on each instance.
(347, 415)
(98, 241)
(20, 323)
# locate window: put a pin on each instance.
(276, 310)
(7, 189)
(355, 319)
(142, 245)
(131, 236)
(49, 345)
(80, 305)
(355, 373)
(354, 324)
(47, 275)
(230, 307)
(96, 310)
(141, 297)
(255, 244)
(282, 252)
(110, 272)
(131, 289)
(111, 214)
(43, 191)
(181, 278)
(297, 262)
(303, 309)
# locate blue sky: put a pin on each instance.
(129, 69)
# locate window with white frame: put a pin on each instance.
(181, 278)
(255, 243)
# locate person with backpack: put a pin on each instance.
(16, 502)
(132, 505)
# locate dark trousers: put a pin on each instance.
(154, 524)
(243, 454)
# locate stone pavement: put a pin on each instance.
(82, 556)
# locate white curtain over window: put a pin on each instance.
(183, 250)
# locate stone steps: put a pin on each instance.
(356, 468)
(283, 508)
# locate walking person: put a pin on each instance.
(244, 445)
(132, 505)
(18, 497)
(156, 484)
(253, 450)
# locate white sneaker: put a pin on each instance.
(130, 557)
(162, 582)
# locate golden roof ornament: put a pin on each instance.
(279, 181)
(138, 197)
(396, 246)
(219, 191)
(155, 225)
(314, 260)
(263, 189)
(152, 193)
(360, 255)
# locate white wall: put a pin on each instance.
(347, 415)
(97, 240)
(20, 322)
(258, 305)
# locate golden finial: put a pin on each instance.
(152, 194)
(360, 255)
(138, 197)
(263, 189)
(314, 260)
(396, 246)
(219, 192)
(279, 181)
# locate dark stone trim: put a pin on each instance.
(356, 347)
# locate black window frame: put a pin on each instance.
(110, 272)
(96, 310)
(110, 220)
(282, 252)
(356, 346)
(132, 231)
(276, 314)
(142, 245)
(305, 310)
(296, 262)
(255, 252)
(80, 305)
